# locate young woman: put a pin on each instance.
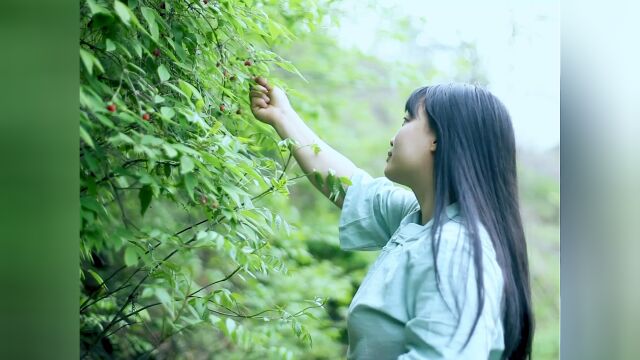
(452, 279)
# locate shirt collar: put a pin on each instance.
(412, 222)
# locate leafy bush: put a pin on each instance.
(172, 174)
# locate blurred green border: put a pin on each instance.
(39, 129)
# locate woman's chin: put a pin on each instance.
(387, 170)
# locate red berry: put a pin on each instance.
(146, 117)
(156, 52)
(205, 1)
(111, 107)
(222, 107)
(248, 63)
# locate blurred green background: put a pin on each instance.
(355, 100)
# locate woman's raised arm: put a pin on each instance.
(270, 105)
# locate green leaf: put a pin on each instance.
(167, 112)
(150, 17)
(145, 195)
(163, 73)
(85, 136)
(124, 13)
(138, 49)
(345, 180)
(199, 105)
(290, 68)
(96, 277)
(130, 256)
(316, 148)
(176, 89)
(186, 164)
(190, 183)
(89, 61)
(169, 150)
(110, 46)
(95, 8)
(185, 88)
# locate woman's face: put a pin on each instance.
(412, 149)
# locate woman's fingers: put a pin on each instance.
(259, 88)
(262, 81)
(259, 102)
(259, 95)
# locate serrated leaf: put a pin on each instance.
(145, 195)
(163, 73)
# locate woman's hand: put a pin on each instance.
(269, 104)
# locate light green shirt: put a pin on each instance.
(397, 312)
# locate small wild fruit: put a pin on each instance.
(239, 111)
(233, 78)
(203, 199)
(222, 107)
(146, 117)
(248, 62)
(156, 52)
(111, 107)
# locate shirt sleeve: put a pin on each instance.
(441, 322)
(372, 211)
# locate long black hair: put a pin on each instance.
(475, 165)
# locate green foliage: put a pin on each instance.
(172, 173)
